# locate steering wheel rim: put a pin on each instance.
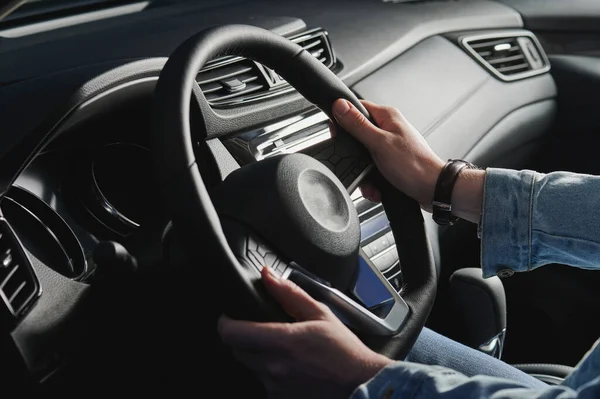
(194, 215)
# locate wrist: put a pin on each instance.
(430, 176)
(467, 196)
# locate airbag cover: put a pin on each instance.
(301, 208)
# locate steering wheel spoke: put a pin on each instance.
(254, 254)
(343, 158)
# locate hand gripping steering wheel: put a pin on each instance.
(290, 212)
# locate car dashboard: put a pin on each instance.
(76, 163)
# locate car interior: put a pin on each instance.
(155, 155)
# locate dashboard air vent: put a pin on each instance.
(18, 284)
(230, 78)
(317, 44)
(509, 55)
(231, 81)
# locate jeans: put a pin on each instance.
(432, 348)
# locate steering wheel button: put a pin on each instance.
(344, 166)
(270, 260)
(255, 259)
(381, 263)
(324, 155)
(367, 250)
(262, 251)
(385, 261)
(390, 237)
(394, 253)
(252, 244)
(374, 247)
(379, 245)
(281, 268)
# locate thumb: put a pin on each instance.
(296, 302)
(355, 123)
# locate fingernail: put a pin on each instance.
(341, 107)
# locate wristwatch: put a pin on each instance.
(442, 197)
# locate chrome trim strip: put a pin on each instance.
(255, 142)
(465, 40)
(55, 238)
(350, 311)
(371, 210)
(494, 346)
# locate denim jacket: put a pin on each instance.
(528, 220)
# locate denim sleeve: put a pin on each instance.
(404, 380)
(531, 219)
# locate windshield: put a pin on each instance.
(17, 12)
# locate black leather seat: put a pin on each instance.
(481, 303)
(552, 374)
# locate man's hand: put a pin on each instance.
(316, 357)
(399, 151)
(405, 159)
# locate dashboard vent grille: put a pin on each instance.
(18, 284)
(317, 44)
(231, 81)
(509, 56)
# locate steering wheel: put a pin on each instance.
(291, 212)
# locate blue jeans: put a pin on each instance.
(432, 348)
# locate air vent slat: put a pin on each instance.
(484, 44)
(18, 285)
(17, 291)
(311, 45)
(318, 53)
(211, 87)
(6, 283)
(234, 80)
(318, 47)
(509, 56)
(513, 68)
(222, 73)
(251, 88)
(502, 60)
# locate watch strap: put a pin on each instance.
(442, 197)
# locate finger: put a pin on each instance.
(370, 192)
(383, 115)
(296, 302)
(252, 335)
(355, 123)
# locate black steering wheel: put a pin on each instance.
(291, 212)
